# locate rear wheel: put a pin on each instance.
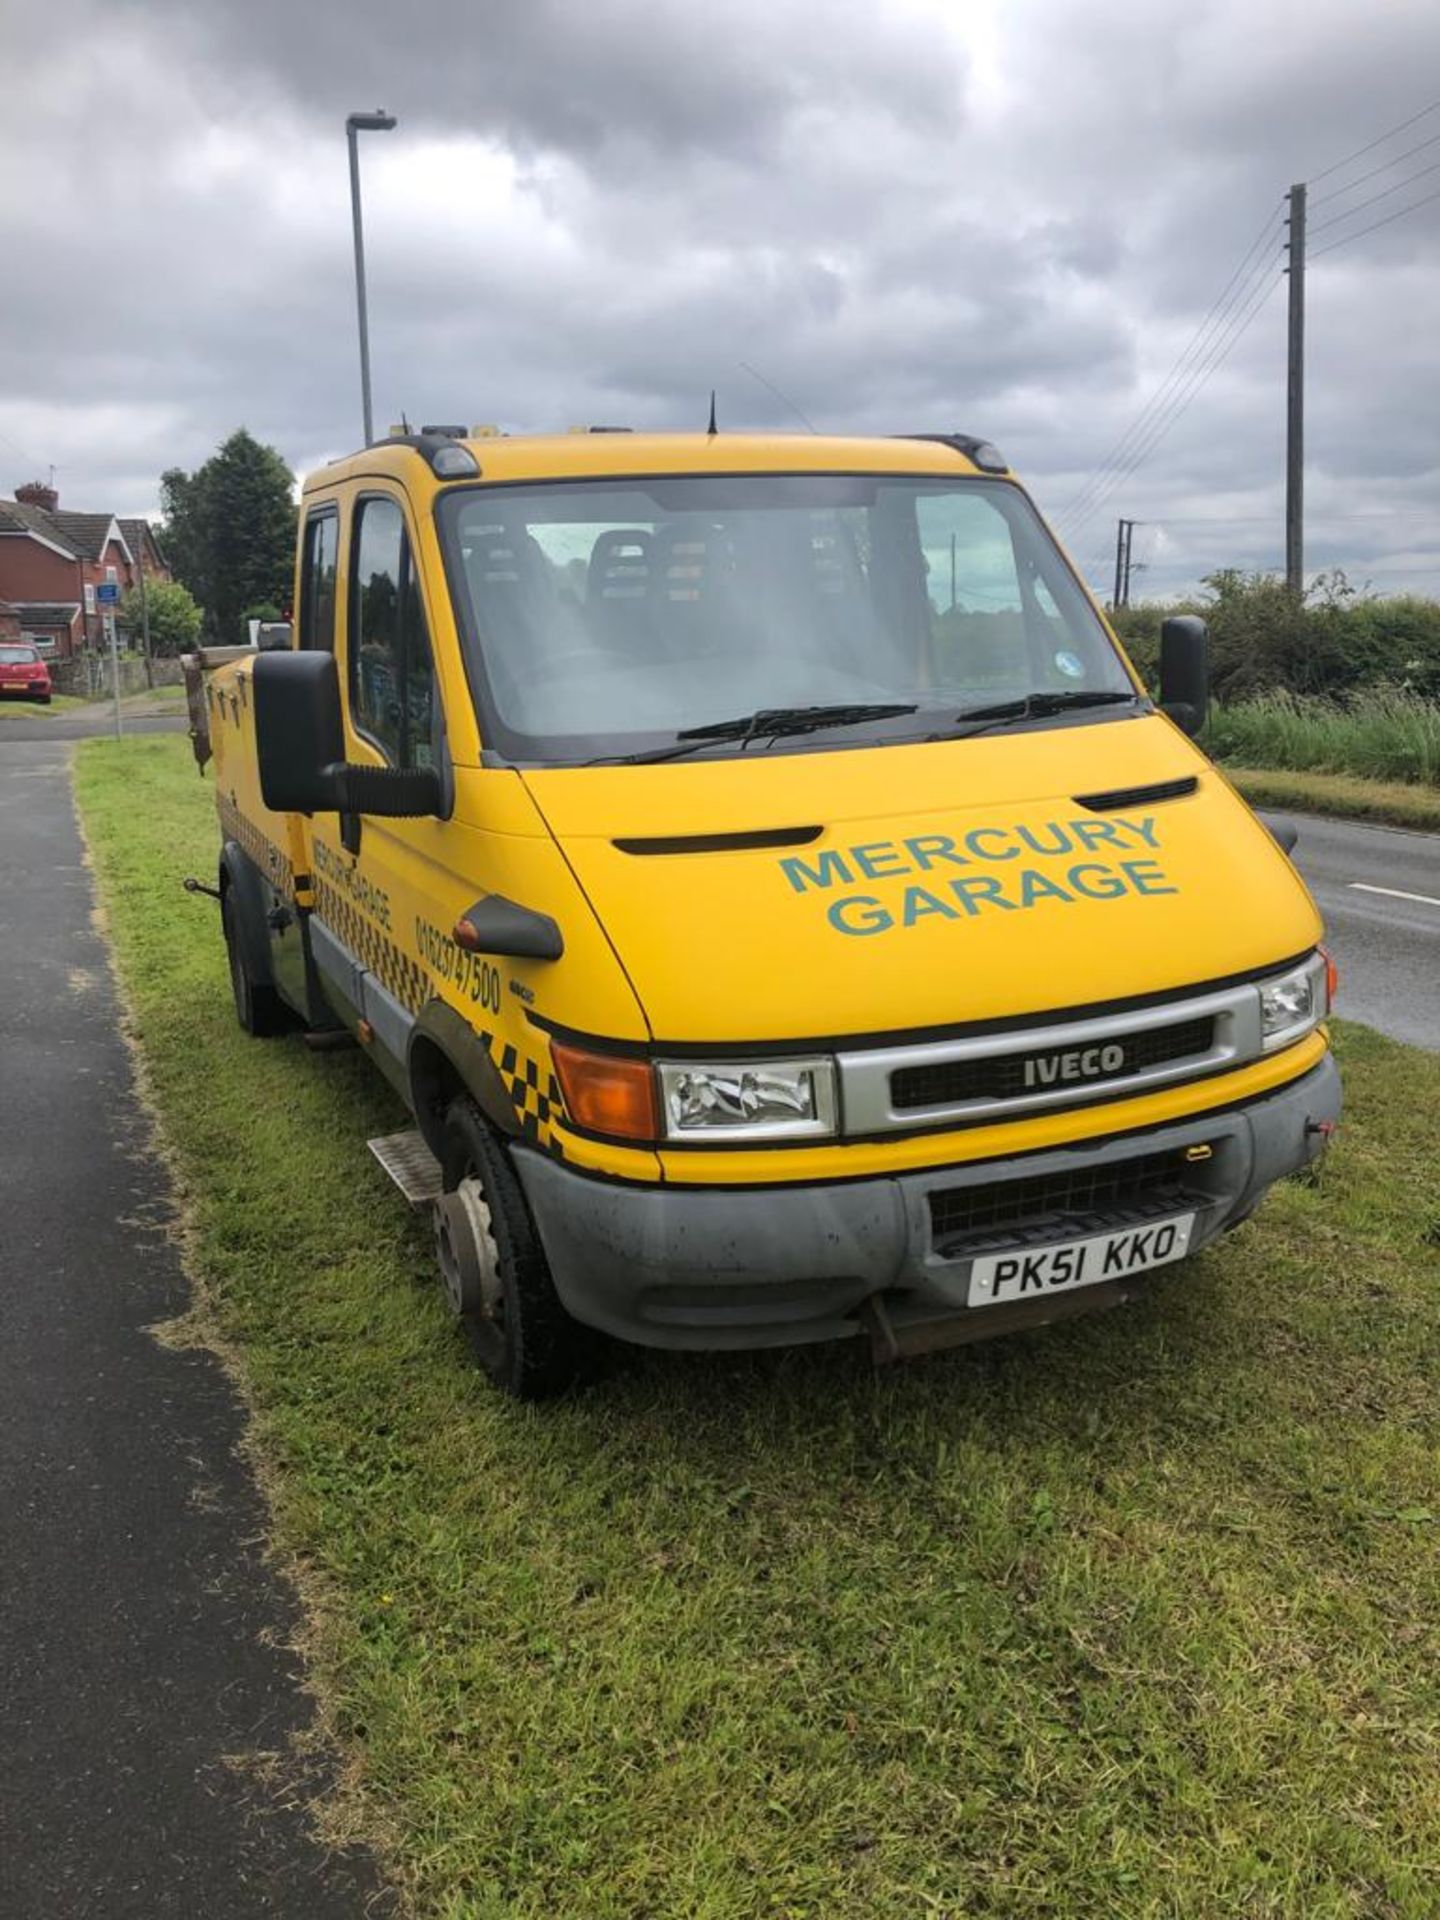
(494, 1271)
(258, 1008)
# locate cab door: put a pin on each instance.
(376, 879)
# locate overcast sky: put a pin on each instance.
(1003, 216)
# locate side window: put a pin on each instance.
(392, 676)
(317, 581)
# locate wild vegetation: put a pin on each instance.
(1380, 735)
(1132, 1617)
(1330, 643)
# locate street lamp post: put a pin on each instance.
(358, 123)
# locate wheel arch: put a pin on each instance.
(446, 1057)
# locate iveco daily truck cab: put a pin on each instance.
(776, 898)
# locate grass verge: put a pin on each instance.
(1135, 1617)
(58, 703)
(73, 703)
(1391, 803)
(1378, 735)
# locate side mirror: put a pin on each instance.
(299, 732)
(300, 746)
(274, 636)
(1185, 671)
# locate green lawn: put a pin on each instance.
(1134, 1617)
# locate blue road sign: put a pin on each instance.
(108, 593)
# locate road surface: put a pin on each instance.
(144, 1663)
(1379, 890)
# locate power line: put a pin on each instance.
(1199, 343)
(1398, 215)
(1264, 519)
(20, 452)
(1371, 145)
(1219, 351)
(1385, 166)
(1361, 205)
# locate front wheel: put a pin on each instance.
(494, 1270)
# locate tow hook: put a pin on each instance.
(192, 885)
(1325, 1129)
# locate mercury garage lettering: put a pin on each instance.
(1082, 860)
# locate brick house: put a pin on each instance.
(52, 561)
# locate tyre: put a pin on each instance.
(258, 1008)
(494, 1271)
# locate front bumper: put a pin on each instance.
(777, 1266)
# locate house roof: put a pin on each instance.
(46, 613)
(17, 517)
(86, 532)
(135, 533)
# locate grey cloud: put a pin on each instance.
(899, 223)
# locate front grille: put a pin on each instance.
(1073, 1202)
(950, 1083)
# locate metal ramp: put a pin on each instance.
(411, 1165)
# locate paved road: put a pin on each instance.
(142, 1636)
(1379, 890)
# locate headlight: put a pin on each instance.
(748, 1099)
(1292, 1003)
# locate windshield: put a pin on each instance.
(18, 656)
(605, 618)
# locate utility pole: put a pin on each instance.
(1295, 400)
(1124, 539)
(144, 606)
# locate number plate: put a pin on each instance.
(999, 1279)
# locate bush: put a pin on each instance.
(1332, 641)
(174, 617)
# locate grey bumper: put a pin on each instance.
(774, 1266)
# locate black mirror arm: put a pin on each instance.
(395, 793)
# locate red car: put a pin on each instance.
(23, 672)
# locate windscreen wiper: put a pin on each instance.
(766, 723)
(1036, 706)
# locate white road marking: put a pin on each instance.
(1395, 893)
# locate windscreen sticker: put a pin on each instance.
(1082, 860)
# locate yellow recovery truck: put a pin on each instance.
(761, 874)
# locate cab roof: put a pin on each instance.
(587, 455)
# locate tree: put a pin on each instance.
(230, 532)
(174, 616)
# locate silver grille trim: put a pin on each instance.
(865, 1073)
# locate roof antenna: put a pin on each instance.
(712, 429)
(405, 423)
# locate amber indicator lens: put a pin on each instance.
(607, 1093)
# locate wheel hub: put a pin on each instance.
(465, 1247)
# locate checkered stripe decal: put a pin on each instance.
(534, 1090)
(398, 972)
(258, 846)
